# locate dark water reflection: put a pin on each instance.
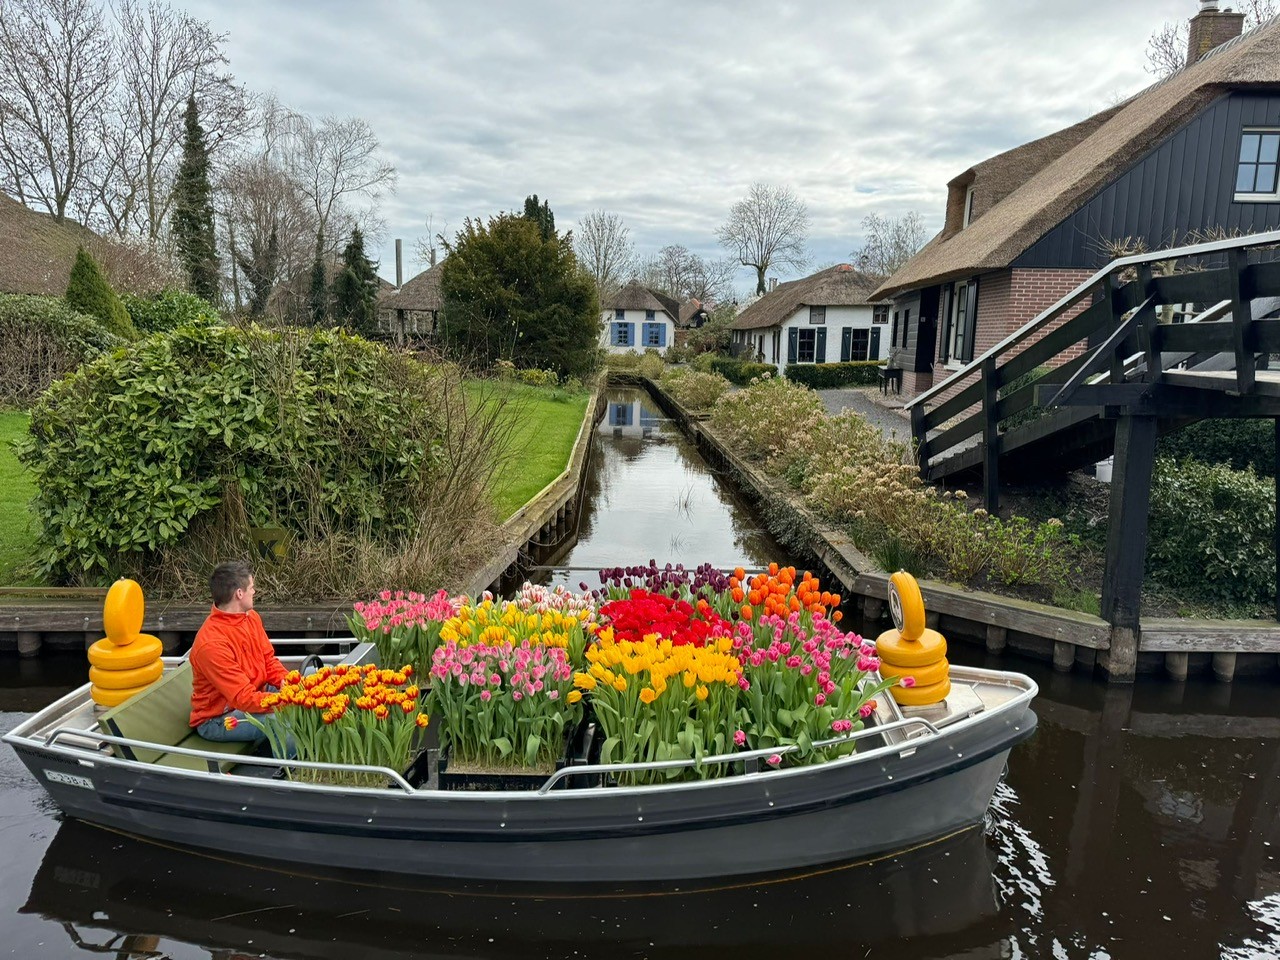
(650, 496)
(1138, 822)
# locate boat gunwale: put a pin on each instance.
(20, 737)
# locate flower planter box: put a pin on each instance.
(512, 778)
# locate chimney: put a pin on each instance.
(1211, 28)
(399, 266)
(773, 282)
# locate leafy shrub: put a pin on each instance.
(741, 372)
(852, 474)
(694, 390)
(1211, 532)
(43, 340)
(827, 376)
(168, 310)
(312, 431)
(1233, 443)
(703, 362)
(88, 292)
(648, 364)
(538, 378)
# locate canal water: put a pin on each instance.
(1137, 822)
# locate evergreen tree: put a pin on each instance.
(541, 215)
(510, 294)
(355, 289)
(193, 210)
(88, 292)
(319, 296)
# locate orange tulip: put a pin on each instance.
(745, 612)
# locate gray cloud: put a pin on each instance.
(664, 111)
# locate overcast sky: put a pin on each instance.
(664, 111)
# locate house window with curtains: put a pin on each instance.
(961, 314)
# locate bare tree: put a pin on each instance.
(889, 243)
(165, 56)
(679, 272)
(769, 228)
(426, 250)
(56, 75)
(604, 248)
(1167, 47)
(335, 162)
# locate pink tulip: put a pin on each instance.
(908, 682)
(774, 761)
(740, 738)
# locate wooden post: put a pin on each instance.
(990, 436)
(1276, 531)
(1176, 665)
(997, 637)
(1224, 666)
(1127, 542)
(1241, 320)
(29, 643)
(1064, 656)
(918, 431)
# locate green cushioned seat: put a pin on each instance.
(161, 714)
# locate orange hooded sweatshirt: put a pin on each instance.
(231, 661)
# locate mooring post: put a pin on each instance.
(1127, 542)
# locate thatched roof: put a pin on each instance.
(1022, 194)
(419, 293)
(690, 311)
(838, 286)
(636, 296)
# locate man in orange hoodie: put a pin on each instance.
(233, 666)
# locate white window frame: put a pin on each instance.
(1274, 196)
(968, 207)
(953, 362)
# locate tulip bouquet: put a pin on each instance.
(656, 699)
(404, 626)
(495, 623)
(502, 704)
(346, 715)
(805, 680)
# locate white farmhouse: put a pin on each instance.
(828, 317)
(636, 319)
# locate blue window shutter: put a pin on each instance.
(793, 339)
(662, 334)
(875, 344)
(613, 334)
(846, 344)
(820, 353)
(631, 334)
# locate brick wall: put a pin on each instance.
(1008, 299)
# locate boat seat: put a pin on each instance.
(161, 714)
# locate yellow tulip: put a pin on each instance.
(648, 695)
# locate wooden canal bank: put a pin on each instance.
(37, 620)
(1071, 640)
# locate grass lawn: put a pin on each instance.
(17, 528)
(545, 426)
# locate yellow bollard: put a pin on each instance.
(911, 649)
(126, 660)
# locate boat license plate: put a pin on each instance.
(70, 779)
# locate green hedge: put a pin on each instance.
(43, 340)
(310, 430)
(741, 372)
(828, 376)
(168, 310)
(1211, 532)
(1234, 443)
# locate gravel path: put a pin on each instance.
(888, 421)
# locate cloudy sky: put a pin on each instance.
(664, 111)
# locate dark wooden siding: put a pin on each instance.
(1184, 184)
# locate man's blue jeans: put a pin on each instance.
(215, 729)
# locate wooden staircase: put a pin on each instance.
(1129, 379)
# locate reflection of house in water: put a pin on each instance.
(630, 420)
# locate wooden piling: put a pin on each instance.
(1224, 666)
(1064, 656)
(1176, 665)
(997, 638)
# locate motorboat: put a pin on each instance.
(917, 775)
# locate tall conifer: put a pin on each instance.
(355, 289)
(193, 210)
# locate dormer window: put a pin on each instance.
(1256, 178)
(968, 207)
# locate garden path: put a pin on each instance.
(891, 421)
